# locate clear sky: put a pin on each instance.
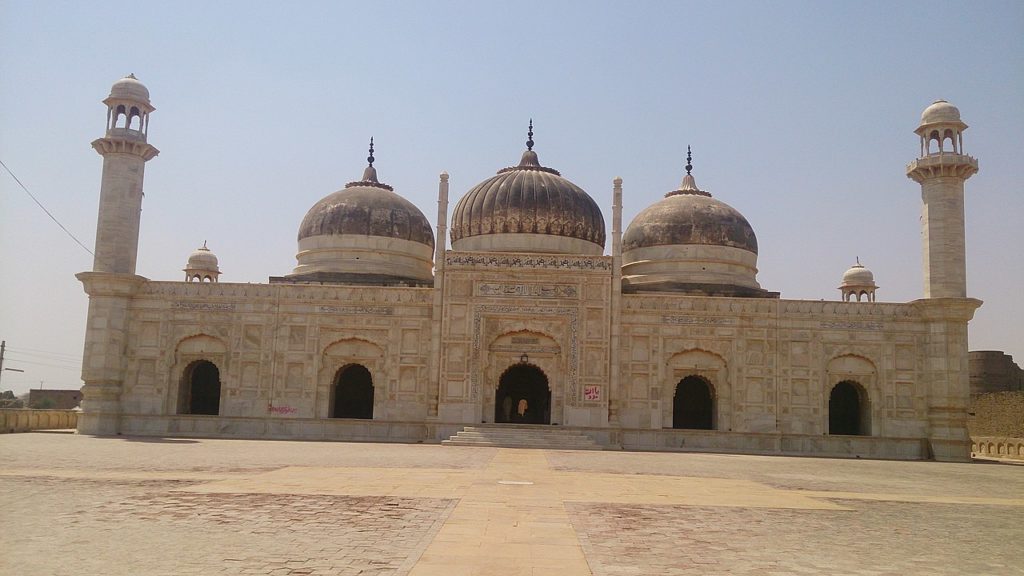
(800, 114)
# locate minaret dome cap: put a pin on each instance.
(129, 88)
(940, 111)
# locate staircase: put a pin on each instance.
(513, 436)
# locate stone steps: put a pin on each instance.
(511, 436)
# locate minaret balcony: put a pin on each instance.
(942, 164)
(127, 134)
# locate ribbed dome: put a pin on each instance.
(367, 208)
(522, 204)
(129, 88)
(365, 234)
(940, 111)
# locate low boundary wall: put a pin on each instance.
(28, 419)
(997, 447)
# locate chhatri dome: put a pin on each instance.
(129, 88)
(690, 242)
(365, 233)
(858, 283)
(202, 266)
(940, 111)
(528, 208)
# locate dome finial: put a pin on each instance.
(857, 258)
(529, 134)
(689, 159)
(369, 173)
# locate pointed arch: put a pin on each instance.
(352, 393)
(523, 396)
(696, 391)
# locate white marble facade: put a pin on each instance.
(613, 361)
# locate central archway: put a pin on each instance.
(352, 393)
(523, 396)
(847, 410)
(693, 406)
(200, 389)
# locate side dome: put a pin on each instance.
(202, 266)
(858, 284)
(365, 233)
(690, 242)
(528, 208)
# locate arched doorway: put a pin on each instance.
(352, 393)
(200, 389)
(693, 406)
(848, 410)
(523, 396)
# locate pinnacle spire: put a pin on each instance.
(689, 160)
(529, 136)
(370, 173)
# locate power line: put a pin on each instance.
(57, 366)
(17, 357)
(40, 204)
(44, 354)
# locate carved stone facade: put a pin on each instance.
(659, 368)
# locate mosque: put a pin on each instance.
(526, 325)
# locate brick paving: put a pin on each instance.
(873, 539)
(79, 505)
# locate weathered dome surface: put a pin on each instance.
(940, 111)
(129, 88)
(689, 219)
(364, 234)
(528, 199)
(691, 243)
(367, 208)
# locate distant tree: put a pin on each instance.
(9, 400)
(44, 404)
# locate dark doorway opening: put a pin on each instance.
(353, 393)
(693, 406)
(523, 396)
(847, 410)
(202, 389)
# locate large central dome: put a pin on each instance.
(528, 208)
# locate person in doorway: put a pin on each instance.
(523, 407)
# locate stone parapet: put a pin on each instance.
(27, 419)
(942, 164)
(997, 447)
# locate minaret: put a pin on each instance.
(941, 173)
(112, 282)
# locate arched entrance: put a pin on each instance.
(693, 406)
(200, 389)
(352, 393)
(523, 396)
(847, 410)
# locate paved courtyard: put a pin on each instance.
(127, 506)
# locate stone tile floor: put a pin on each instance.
(81, 505)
